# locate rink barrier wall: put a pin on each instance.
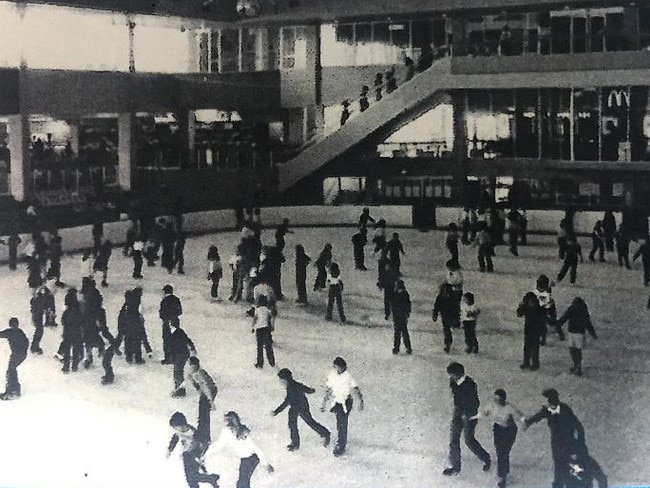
(76, 239)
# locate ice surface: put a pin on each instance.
(69, 431)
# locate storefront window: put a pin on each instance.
(158, 143)
(615, 144)
(586, 120)
(527, 124)
(640, 123)
(556, 123)
(490, 123)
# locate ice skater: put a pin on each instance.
(302, 261)
(170, 310)
(298, 404)
(534, 323)
(72, 343)
(167, 242)
(579, 324)
(102, 259)
(572, 251)
(400, 304)
(215, 271)
(644, 252)
(137, 248)
(335, 293)
(566, 432)
(179, 252)
(207, 390)
(466, 406)
(451, 241)
(395, 249)
(181, 348)
(504, 429)
(584, 470)
(236, 437)
(280, 233)
(379, 236)
(364, 218)
(447, 308)
(18, 343)
(55, 252)
(322, 264)
(597, 242)
(543, 291)
(12, 242)
(43, 310)
(359, 241)
(468, 316)
(193, 451)
(485, 248)
(338, 393)
(623, 246)
(262, 327)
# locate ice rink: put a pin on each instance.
(68, 431)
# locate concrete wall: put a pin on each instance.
(539, 221)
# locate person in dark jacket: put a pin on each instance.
(395, 249)
(364, 218)
(71, 320)
(387, 278)
(193, 451)
(18, 343)
(451, 241)
(170, 310)
(181, 348)
(335, 293)
(179, 252)
(302, 261)
(609, 229)
(572, 251)
(644, 252)
(566, 432)
(12, 243)
(322, 263)
(167, 242)
(43, 313)
(98, 235)
(579, 324)
(55, 252)
(597, 242)
(534, 322)
(466, 405)
(359, 241)
(584, 470)
(364, 104)
(447, 308)
(400, 304)
(34, 273)
(129, 327)
(281, 232)
(101, 261)
(298, 405)
(623, 246)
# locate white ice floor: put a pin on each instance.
(69, 431)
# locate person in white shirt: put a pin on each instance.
(468, 314)
(504, 415)
(137, 249)
(339, 388)
(262, 328)
(236, 437)
(334, 294)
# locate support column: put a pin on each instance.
(19, 156)
(192, 161)
(460, 147)
(125, 150)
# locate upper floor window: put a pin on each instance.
(293, 48)
(232, 50)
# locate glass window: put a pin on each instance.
(229, 50)
(422, 36)
(556, 123)
(363, 44)
(401, 34)
(214, 51)
(527, 119)
(640, 123)
(293, 48)
(249, 49)
(560, 35)
(586, 116)
(615, 124)
(204, 51)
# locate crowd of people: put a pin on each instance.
(256, 271)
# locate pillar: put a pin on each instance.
(192, 161)
(19, 156)
(460, 157)
(125, 150)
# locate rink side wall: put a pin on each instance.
(539, 221)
